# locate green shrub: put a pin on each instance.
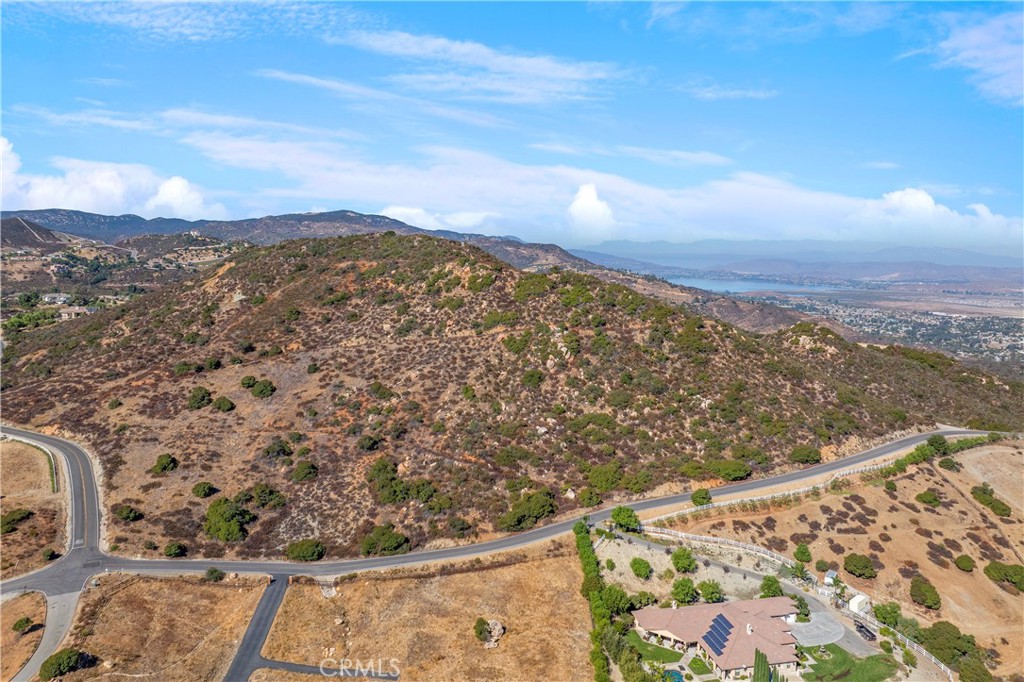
(312, 368)
(859, 565)
(9, 521)
(710, 591)
(802, 553)
(532, 378)
(126, 512)
(701, 497)
(214, 575)
(589, 497)
(264, 388)
(683, 591)
(49, 554)
(805, 454)
(384, 541)
(683, 561)
(888, 613)
(164, 464)
(999, 572)
(22, 624)
(821, 565)
(605, 477)
(964, 563)
(929, 497)
(641, 568)
(226, 520)
(369, 442)
(528, 510)
(61, 663)
(304, 471)
(482, 630)
(886, 646)
(114, 404)
(175, 549)
(770, 587)
(924, 593)
(199, 398)
(625, 518)
(609, 564)
(212, 364)
(985, 495)
(949, 464)
(248, 381)
(305, 550)
(223, 404)
(890, 486)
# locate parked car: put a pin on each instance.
(864, 631)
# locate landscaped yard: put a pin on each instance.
(652, 652)
(842, 666)
(698, 667)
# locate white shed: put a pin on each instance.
(860, 603)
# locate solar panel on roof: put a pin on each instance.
(713, 645)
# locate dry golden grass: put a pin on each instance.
(15, 649)
(426, 623)
(908, 538)
(269, 675)
(25, 484)
(163, 629)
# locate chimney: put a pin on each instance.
(750, 629)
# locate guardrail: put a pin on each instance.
(773, 496)
(726, 542)
(909, 643)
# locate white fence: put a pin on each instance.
(773, 496)
(725, 542)
(909, 643)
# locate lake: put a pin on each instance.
(740, 286)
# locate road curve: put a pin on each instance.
(67, 575)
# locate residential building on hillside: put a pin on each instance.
(726, 635)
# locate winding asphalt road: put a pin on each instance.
(63, 580)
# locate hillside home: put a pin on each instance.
(71, 312)
(727, 635)
(57, 299)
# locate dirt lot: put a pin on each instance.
(268, 675)
(1001, 467)
(165, 629)
(426, 623)
(15, 649)
(25, 484)
(905, 537)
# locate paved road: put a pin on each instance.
(64, 579)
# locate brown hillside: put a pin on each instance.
(476, 380)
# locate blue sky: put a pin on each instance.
(572, 122)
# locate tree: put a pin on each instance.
(939, 443)
(226, 520)
(223, 404)
(49, 554)
(888, 613)
(802, 553)
(770, 587)
(164, 464)
(588, 497)
(710, 591)
(263, 388)
(625, 518)
(306, 550)
(22, 624)
(762, 671)
(859, 565)
(175, 549)
(924, 593)
(641, 568)
(61, 663)
(683, 591)
(384, 541)
(805, 454)
(683, 561)
(203, 489)
(799, 571)
(199, 398)
(605, 477)
(482, 630)
(528, 510)
(616, 599)
(701, 497)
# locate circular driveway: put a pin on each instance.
(824, 628)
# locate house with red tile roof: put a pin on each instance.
(726, 635)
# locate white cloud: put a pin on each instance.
(475, 71)
(992, 50)
(104, 82)
(194, 118)
(98, 187)
(710, 91)
(459, 221)
(393, 104)
(532, 199)
(590, 217)
(675, 157)
(88, 117)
